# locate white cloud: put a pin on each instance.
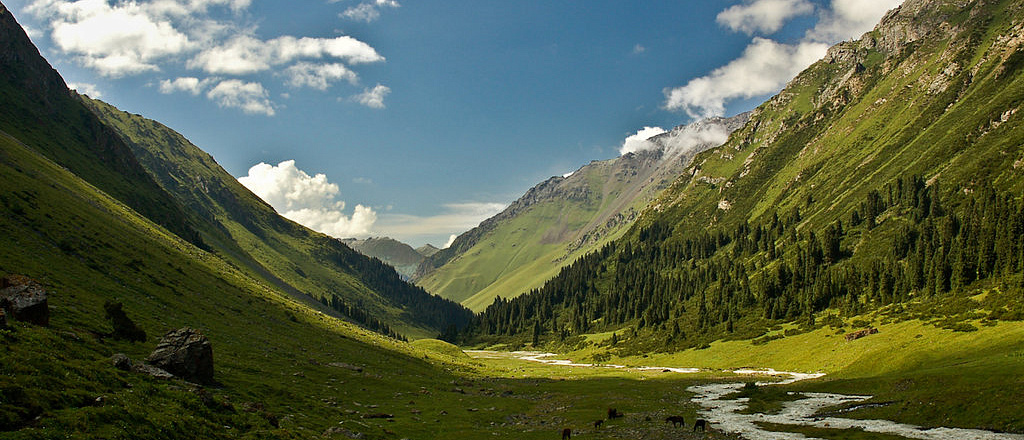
(693, 136)
(188, 84)
(639, 49)
(373, 98)
(311, 201)
(318, 76)
(117, 38)
(246, 54)
(114, 40)
(86, 89)
(762, 15)
(766, 65)
(250, 97)
(639, 141)
(763, 68)
(368, 11)
(451, 240)
(850, 18)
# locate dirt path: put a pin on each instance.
(725, 414)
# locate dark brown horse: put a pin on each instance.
(676, 421)
(566, 434)
(598, 422)
(700, 423)
(614, 413)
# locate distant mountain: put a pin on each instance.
(399, 255)
(563, 218)
(887, 178)
(427, 250)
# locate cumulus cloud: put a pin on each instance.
(850, 18)
(311, 201)
(639, 141)
(189, 84)
(319, 76)
(114, 40)
(765, 65)
(250, 97)
(369, 11)
(118, 38)
(762, 15)
(245, 54)
(373, 98)
(86, 89)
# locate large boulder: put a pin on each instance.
(24, 299)
(185, 353)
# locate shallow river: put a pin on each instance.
(725, 414)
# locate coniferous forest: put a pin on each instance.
(679, 289)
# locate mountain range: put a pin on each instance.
(399, 255)
(878, 196)
(563, 218)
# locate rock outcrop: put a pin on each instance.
(185, 353)
(24, 299)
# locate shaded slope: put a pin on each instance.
(87, 248)
(38, 109)
(250, 233)
(562, 218)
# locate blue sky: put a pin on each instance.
(418, 119)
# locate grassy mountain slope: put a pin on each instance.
(87, 248)
(557, 221)
(249, 233)
(39, 109)
(885, 177)
(401, 256)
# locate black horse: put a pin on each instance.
(614, 413)
(700, 423)
(566, 434)
(676, 421)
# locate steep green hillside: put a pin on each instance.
(888, 174)
(401, 256)
(87, 248)
(38, 109)
(248, 232)
(559, 220)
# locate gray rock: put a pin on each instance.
(158, 373)
(121, 361)
(185, 353)
(24, 299)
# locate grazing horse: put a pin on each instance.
(566, 434)
(676, 421)
(614, 413)
(700, 423)
(598, 422)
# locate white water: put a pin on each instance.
(725, 414)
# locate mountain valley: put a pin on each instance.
(862, 229)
